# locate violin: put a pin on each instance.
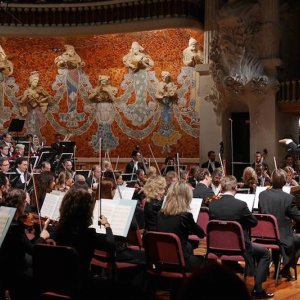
(30, 220)
(212, 198)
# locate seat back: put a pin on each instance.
(225, 238)
(135, 239)
(266, 228)
(164, 252)
(56, 270)
(203, 218)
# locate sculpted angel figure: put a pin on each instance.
(69, 59)
(137, 58)
(192, 55)
(6, 66)
(104, 92)
(104, 96)
(166, 95)
(34, 96)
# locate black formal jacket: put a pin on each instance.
(183, 225)
(151, 210)
(231, 209)
(204, 192)
(16, 244)
(293, 147)
(281, 205)
(130, 165)
(85, 242)
(208, 166)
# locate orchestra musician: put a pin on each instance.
(4, 164)
(93, 179)
(14, 265)
(154, 192)
(22, 169)
(231, 209)
(8, 140)
(203, 189)
(211, 164)
(19, 152)
(135, 163)
(73, 230)
(175, 217)
(249, 180)
(282, 205)
(4, 150)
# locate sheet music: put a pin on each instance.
(51, 205)
(119, 214)
(3, 221)
(6, 217)
(248, 198)
(259, 189)
(287, 189)
(126, 193)
(195, 207)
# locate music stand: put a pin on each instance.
(16, 125)
(66, 147)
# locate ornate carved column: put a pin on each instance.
(269, 49)
(210, 26)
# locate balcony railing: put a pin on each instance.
(97, 13)
(289, 91)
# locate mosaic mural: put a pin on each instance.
(129, 89)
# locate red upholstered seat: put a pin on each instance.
(225, 241)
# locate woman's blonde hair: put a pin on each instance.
(152, 172)
(155, 187)
(178, 199)
(249, 176)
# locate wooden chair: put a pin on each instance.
(225, 241)
(266, 234)
(56, 272)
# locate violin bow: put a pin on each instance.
(36, 200)
(275, 163)
(118, 188)
(221, 162)
(154, 159)
(28, 164)
(178, 165)
(117, 163)
(100, 179)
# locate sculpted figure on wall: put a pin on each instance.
(166, 95)
(69, 59)
(104, 91)
(34, 96)
(192, 55)
(104, 96)
(6, 66)
(137, 58)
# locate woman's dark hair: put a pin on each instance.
(15, 198)
(76, 211)
(107, 187)
(42, 185)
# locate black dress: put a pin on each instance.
(183, 225)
